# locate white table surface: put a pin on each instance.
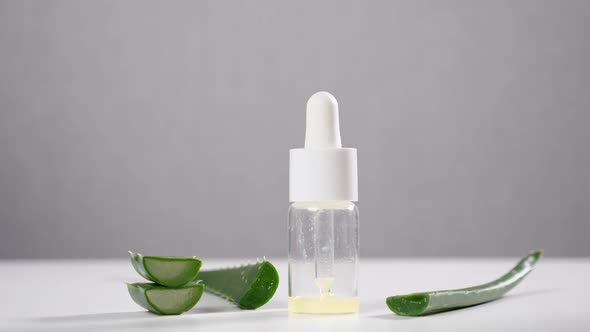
(70, 295)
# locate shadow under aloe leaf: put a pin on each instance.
(209, 304)
(126, 321)
(108, 316)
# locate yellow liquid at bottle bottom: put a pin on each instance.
(325, 303)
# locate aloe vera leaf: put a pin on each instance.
(166, 271)
(418, 304)
(164, 300)
(249, 286)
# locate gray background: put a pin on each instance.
(164, 126)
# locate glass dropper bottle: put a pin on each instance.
(323, 220)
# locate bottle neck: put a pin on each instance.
(324, 204)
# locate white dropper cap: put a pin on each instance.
(323, 170)
(322, 127)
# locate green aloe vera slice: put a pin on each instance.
(419, 304)
(166, 271)
(164, 300)
(249, 286)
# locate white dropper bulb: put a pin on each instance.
(322, 127)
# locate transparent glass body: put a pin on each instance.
(323, 257)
